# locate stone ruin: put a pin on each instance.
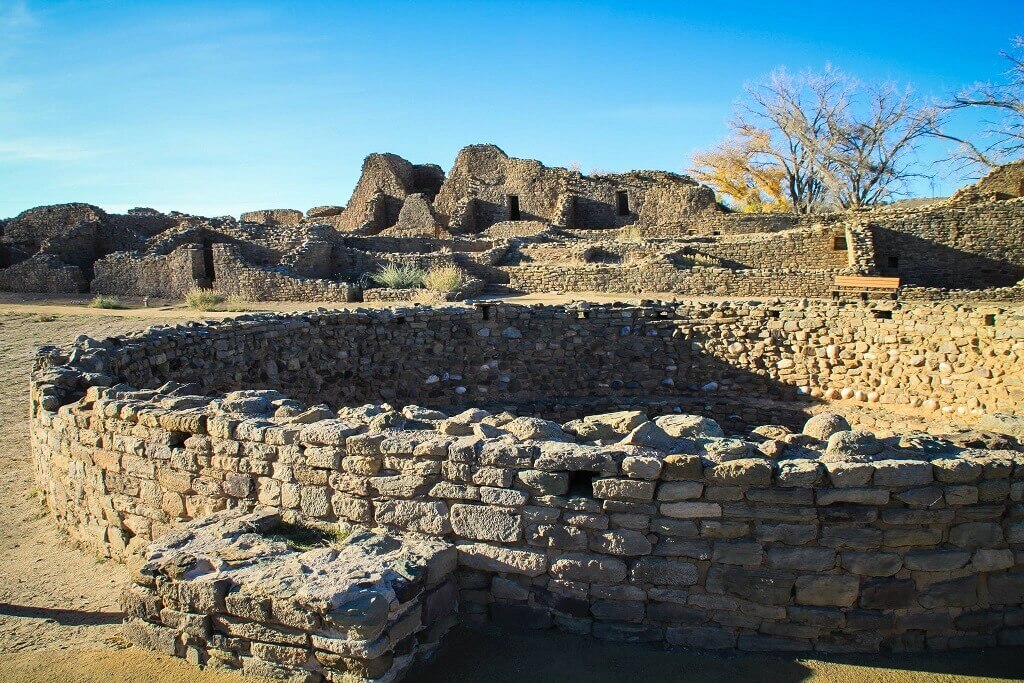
(758, 475)
(515, 225)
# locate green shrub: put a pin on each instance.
(444, 278)
(203, 299)
(100, 301)
(398, 276)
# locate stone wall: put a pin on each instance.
(43, 273)
(619, 527)
(486, 177)
(235, 277)
(664, 276)
(166, 276)
(949, 245)
(944, 358)
(272, 217)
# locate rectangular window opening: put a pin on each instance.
(622, 202)
(882, 315)
(990, 320)
(839, 243)
(513, 207)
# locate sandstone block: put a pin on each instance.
(484, 523)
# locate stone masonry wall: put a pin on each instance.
(168, 276)
(235, 277)
(42, 273)
(618, 527)
(664, 276)
(621, 541)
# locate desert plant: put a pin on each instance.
(399, 276)
(444, 278)
(309, 535)
(203, 299)
(100, 301)
(630, 233)
(235, 304)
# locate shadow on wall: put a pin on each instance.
(484, 357)
(918, 261)
(469, 656)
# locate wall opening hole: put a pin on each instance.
(893, 262)
(774, 314)
(839, 243)
(716, 232)
(485, 310)
(990, 320)
(622, 202)
(581, 484)
(208, 271)
(513, 207)
(400, 320)
(882, 315)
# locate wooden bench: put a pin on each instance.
(865, 285)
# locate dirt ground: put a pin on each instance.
(58, 606)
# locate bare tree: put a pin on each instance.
(1004, 133)
(779, 108)
(841, 143)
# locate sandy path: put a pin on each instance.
(58, 606)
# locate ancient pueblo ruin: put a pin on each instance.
(828, 455)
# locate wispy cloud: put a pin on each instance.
(16, 18)
(27, 149)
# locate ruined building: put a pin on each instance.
(516, 225)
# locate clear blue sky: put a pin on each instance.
(220, 107)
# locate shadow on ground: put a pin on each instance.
(65, 617)
(488, 655)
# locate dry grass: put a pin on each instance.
(444, 278)
(630, 233)
(101, 301)
(203, 299)
(398, 276)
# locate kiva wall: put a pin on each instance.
(791, 555)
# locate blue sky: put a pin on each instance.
(220, 107)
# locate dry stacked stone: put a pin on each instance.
(229, 591)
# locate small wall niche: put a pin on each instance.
(839, 243)
(882, 314)
(990, 320)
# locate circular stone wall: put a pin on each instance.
(617, 526)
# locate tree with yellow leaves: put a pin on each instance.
(736, 169)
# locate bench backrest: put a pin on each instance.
(864, 281)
